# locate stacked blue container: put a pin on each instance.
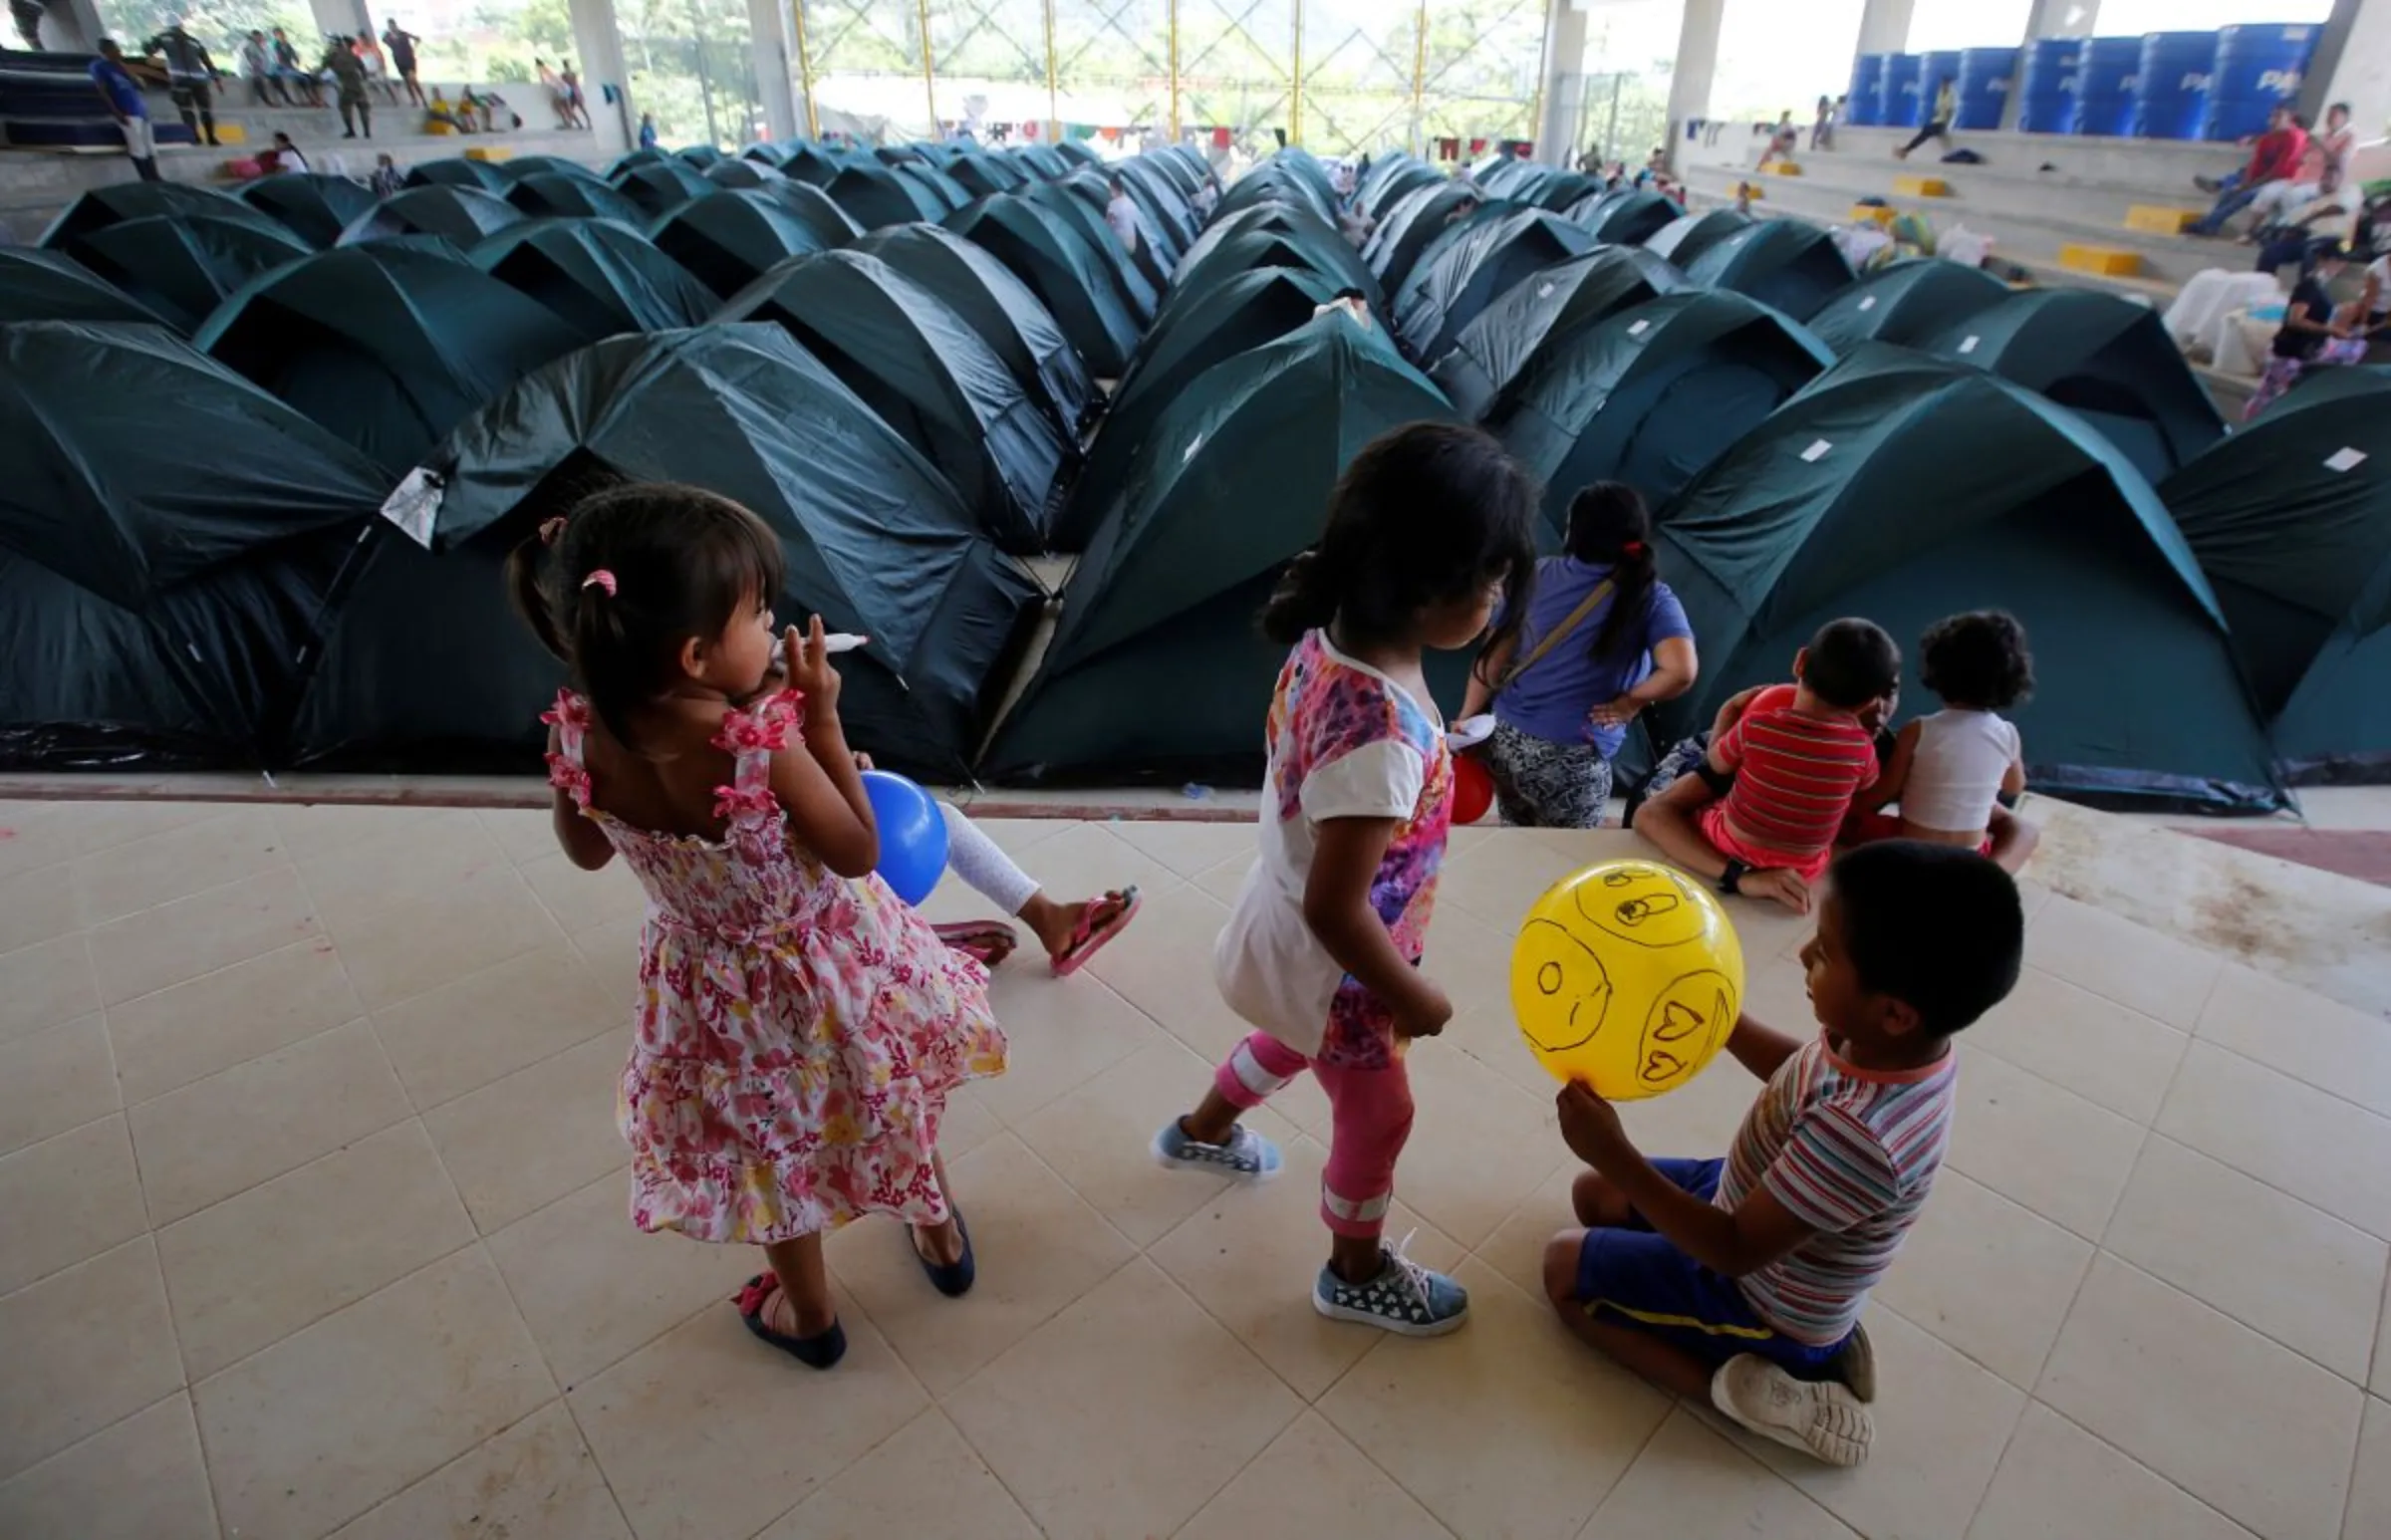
(2254, 68)
(2106, 79)
(1897, 92)
(1865, 106)
(1933, 70)
(2047, 85)
(1985, 78)
(2171, 88)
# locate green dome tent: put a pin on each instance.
(1158, 199)
(874, 196)
(813, 163)
(1141, 279)
(2290, 519)
(1787, 264)
(157, 611)
(1905, 488)
(1277, 184)
(1684, 240)
(661, 186)
(312, 207)
(427, 667)
(1650, 395)
(120, 201)
(699, 155)
(2107, 358)
(634, 159)
(1258, 249)
(1906, 302)
(1556, 192)
(599, 278)
(947, 194)
(1629, 217)
(182, 265)
(547, 195)
(1446, 292)
(985, 175)
(1075, 284)
(743, 172)
(929, 375)
(38, 285)
(1157, 670)
(457, 215)
(520, 167)
(814, 210)
(1314, 242)
(456, 172)
(1505, 339)
(730, 237)
(1409, 227)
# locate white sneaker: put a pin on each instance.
(1821, 1419)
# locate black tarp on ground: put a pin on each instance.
(1409, 227)
(388, 345)
(38, 285)
(546, 195)
(1157, 670)
(1002, 310)
(1446, 292)
(1905, 488)
(121, 201)
(1141, 278)
(428, 667)
(2107, 358)
(874, 196)
(929, 376)
(1076, 285)
(1628, 217)
(312, 207)
(1788, 264)
(731, 237)
(183, 266)
(2290, 519)
(1503, 343)
(152, 616)
(1906, 302)
(661, 186)
(456, 172)
(598, 277)
(1684, 240)
(1650, 395)
(457, 215)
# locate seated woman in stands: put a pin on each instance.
(2309, 328)
(438, 112)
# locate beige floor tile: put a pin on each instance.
(2380, 1381)
(2148, 1368)
(2096, 1048)
(225, 1133)
(2317, 1148)
(86, 1348)
(313, 831)
(2040, 1145)
(2371, 1488)
(1941, 1425)
(46, 985)
(67, 1199)
(609, 957)
(167, 1040)
(578, 900)
(2058, 1480)
(36, 834)
(147, 951)
(1479, 1144)
(160, 868)
(1223, 881)
(705, 1434)
(968, 1125)
(598, 1288)
(535, 1482)
(2305, 1035)
(54, 1081)
(1471, 959)
(1777, 995)
(1062, 1031)
(1163, 966)
(1491, 1036)
(463, 1034)
(251, 1270)
(36, 905)
(1019, 836)
(1189, 849)
(2222, 1238)
(924, 1485)
(524, 1142)
(98, 825)
(2095, 949)
(1123, 1414)
(416, 853)
(1506, 1428)
(1077, 860)
(1688, 1481)
(1988, 1277)
(1517, 1248)
(415, 944)
(1496, 882)
(141, 1479)
(525, 834)
(1038, 1244)
(1313, 1481)
(332, 1419)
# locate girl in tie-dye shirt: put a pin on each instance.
(1428, 527)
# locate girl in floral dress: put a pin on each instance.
(799, 1029)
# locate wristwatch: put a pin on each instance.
(1731, 881)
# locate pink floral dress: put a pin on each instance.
(798, 1032)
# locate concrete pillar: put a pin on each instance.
(599, 45)
(74, 27)
(775, 66)
(1696, 69)
(2352, 64)
(2047, 19)
(1885, 26)
(1564, 84)
(338, 18)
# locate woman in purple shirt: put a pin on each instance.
(1604, 638)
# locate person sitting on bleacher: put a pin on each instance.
(257, 68)
(288, 71)
(2273, 157)
(123, 93)
(2331, 219)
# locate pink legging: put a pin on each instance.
(1371, 1116)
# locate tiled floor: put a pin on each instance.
(312, 1222)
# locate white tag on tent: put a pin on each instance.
(415, 506)
(2344, 460)
(1816, 451)
(1544, 290)
(1968, 345)
(1867, 302)
(1193, 444)
(1638, 329)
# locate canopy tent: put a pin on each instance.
(1506, 338)
(599, 278)
(547, 195)
(1141, 278)
(1628, 217)
(2107, 356)
(1684, 240)
(1157, 670)
(1478, 266)
(1788, 264)
(1193, 333)
(1409, 225)
(1075, 285)
(929, 375)
(182, 265)
(661, 186)
(456, 172)
(814, 210)
(1906, 302)
(459, 215)
(38, 285)
(731, 237)
(1905, 488)
(2290, 519)
(428, 667)
(1650, 395)
(120, 201)
(387, 345)
(874, 196)
(155, 614)
(311, 206)
(1274, 236)
(1002, 310)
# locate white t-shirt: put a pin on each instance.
(1122, 215)
(1957, 770)
(2379, 270)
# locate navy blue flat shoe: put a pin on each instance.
(819, 1351)
(953, 1279)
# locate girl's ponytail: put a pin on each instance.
(1305, 598)
(1609, 525)
(527, 585)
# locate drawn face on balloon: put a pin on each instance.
(1646, 904)
(1571, 988)
(1687, 1018)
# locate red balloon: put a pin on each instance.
(1472, 789)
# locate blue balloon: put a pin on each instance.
(913, 834)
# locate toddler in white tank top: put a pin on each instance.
(1948, 772)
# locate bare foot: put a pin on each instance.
(941, 1245)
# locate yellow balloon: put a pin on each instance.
(1627, 976)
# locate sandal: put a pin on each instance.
(985, 942)
(1099, 923)
(953, 1279)
(819, 1351)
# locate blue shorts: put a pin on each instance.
(1629, 1276)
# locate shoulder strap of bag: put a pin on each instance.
(1555, 636)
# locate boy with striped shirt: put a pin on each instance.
(1740, 1280)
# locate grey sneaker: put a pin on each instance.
(1855, 1363)
(1248, 1155)
(1823, 1419)
(1405, 1298)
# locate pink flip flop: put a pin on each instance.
(1093, 933)
(985, 942)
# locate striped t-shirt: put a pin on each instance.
(1852, 1152)
(1796, 776)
